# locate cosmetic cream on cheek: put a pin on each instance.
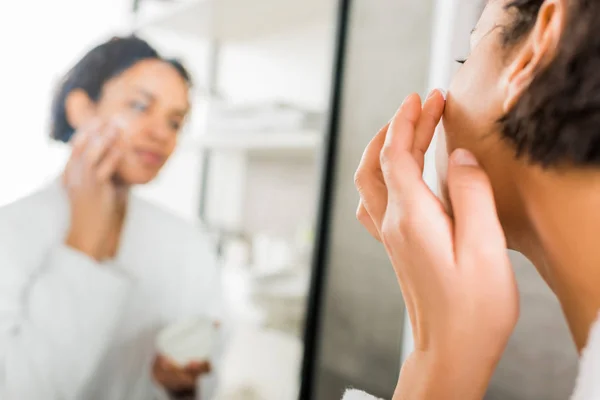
(123, 124)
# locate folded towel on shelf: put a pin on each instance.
(262, 118)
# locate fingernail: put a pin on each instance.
(443, 93)
(463, 157)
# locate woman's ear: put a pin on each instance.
(79, 108)
(537, 51)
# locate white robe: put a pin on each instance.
(72, 328)
(588, 382)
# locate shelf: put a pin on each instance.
(233, 20)
(277, 144)
(285, 287)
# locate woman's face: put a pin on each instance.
(150, 101)
(476, 101)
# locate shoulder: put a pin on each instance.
(29, 227)
(588, 385)
(39, 213)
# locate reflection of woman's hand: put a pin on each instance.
(179, 382)
(455, 276)
(93, 195)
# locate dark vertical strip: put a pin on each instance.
(320, 254)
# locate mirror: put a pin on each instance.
(244, 177)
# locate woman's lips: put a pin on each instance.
(150, 158)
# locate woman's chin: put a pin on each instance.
(131, 178)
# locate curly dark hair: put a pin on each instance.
(98, 66)
(557, 119)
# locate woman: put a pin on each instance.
(521, 123)
(91, 273)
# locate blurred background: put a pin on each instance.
(281, 115)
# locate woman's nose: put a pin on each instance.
(160, 131)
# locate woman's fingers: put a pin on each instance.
(395, 157)
(402, 125)
(402, 174)
(365, 219)
(198, 368)
(108, 165)
(369, 181)
(432, 112)
(399, 171)
(185, 380)
(79, 144)
(81, 138)
(476, 225)
(99, 145)
(172, 376)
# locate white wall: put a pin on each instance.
(40, 39)
(292, 66)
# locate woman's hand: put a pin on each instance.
(93, 194)
(179, 382)
(455, 276)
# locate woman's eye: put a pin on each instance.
(175, 125)
(139, 106)
(461, 60)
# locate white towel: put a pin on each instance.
(358, 395)
(588, 384)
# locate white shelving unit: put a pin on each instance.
(230, 170)
(281, 144)
(228, 21)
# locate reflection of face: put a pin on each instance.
(475, 102)
(151, 101)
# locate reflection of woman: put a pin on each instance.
(531, 80)
(89, 272)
